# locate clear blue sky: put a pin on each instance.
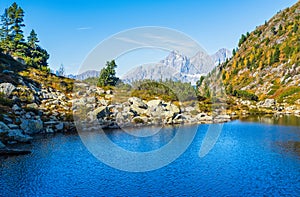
(70, 29)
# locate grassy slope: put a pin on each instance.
(253, 68)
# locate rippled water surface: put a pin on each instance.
(248, 159)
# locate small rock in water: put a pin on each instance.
(59, 126)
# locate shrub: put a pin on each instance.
(244, 94)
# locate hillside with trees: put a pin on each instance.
(13, 42)
(266, 64)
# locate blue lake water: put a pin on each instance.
(248, 159)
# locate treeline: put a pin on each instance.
(13, 42)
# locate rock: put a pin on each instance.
(59, 126)
(31, 126)
(173, 108)
(2, 146)
(101, 112)
(156, 111)
(28, 115)
(17, 135)
(7, 119)
(188, 109)
(179, 119)
(297, 112)
(137, 102)
(16, 108)
(246, 102)
(223, 117)
(154, 103)
(7, 88)
(109, 92)
(137, 110)
(4, 129)
(13, 126)
(204, 117)
(49, 130)
(8, 72)
(140, 120)
(268, 103)
(51, 122)
(32, 105)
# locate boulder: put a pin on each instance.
(154, 103)
(137, 102)
(32, 105)
(156, 111)
(17, 135)
(137, 110)
(7, 88)
(173, 108)
(4, 129)
(59, 126)
(13, 126)
(16, 108)
(101, 112)
(31, 126)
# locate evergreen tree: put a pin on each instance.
(32, 39)
(242, 40)
(108, 75)
(295, 28)
(5, 32)
(276, 56)
(233, 52)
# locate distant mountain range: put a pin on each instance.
(179, 67)
(175, 66)
(85, 75)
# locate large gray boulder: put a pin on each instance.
(7, 88)
(137, 102)
(154, 103)
(32, 126)
(173, 108)
(137, 106)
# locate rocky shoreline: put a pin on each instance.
(51, 112)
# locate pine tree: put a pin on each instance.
(5, 32)
(242, 40)
(32, 39)
(108, 75)
(276, 57)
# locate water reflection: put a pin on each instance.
(276, 119)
